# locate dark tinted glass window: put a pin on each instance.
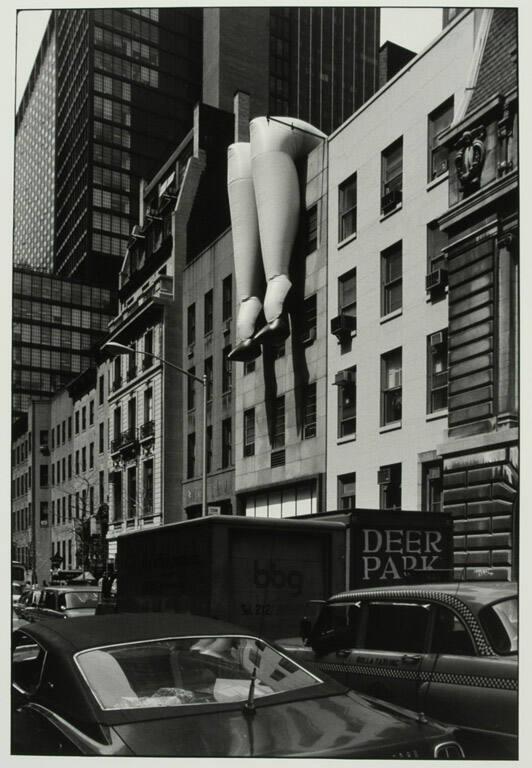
(450, 635)
(396, 627)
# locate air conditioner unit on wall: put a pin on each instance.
(342, 325)
(436, 339)
(436, 279)
(343, 378)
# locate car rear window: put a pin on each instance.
(500, 622)
(193, 670)
(79, 599)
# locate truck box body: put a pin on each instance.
(258, 573)
(386, 547)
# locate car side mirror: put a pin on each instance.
(19, 697)
(305, 629)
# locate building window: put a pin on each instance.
(101, 445)
(117, 496)
(132, 492)
(132, 415)
(77, 462)
(76, 422)
(312, 229)
(227, 443)
(101, 487)
(84, 418)
(432, 489)
(436, 244)
(148, 349)
(249, 432)
(207, 312)
(91, 413)
(391, 279)
(43, 520)
(309, 319)
(191, 324)
(227, 297)
(227, 370)
(147, 507)
(347, 491)
(91, 456)
(347, 207)
(63, 432)
(392, 176)
(69, 464)
(43, 476)
(117, 377)
(278, 423)
(391, 386)
(389, 479)
(191, 454)
(208, 374)
(347, 294)
(347, 402)
(191, 389)
(84, 459)
(309, 416)
(437, 371)
(438, 121)
(117, 423)
(209, 448)
(101, 386)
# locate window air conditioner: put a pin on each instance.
(436, 339)
(343, 378)
(391, 200)
(436, 279)
(342, 325)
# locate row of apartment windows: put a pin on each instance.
(21, 484)
(392, 172)
(33, 333)
(22, 451)
(226, 448)
(43, 287)
(308, 421)
(131, 418)
(21, 519)
(131, 370)
(31, 309)
(130, 502)
(125, 68)
(391, 388)
(389, 482)
(227, 310)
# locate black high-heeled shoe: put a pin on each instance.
(273, 334)
(244, 351)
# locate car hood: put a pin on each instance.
(334, 726)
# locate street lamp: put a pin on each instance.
(123, 349)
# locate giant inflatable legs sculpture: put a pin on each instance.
(264, 200)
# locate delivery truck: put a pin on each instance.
(260, 572)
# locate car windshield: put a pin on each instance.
(79, 599)
(192, 670)
(501, 624)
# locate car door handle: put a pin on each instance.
(343, 653)
(410, 659)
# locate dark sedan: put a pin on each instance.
(181, 685)
(448, 650)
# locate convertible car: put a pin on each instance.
(181, 685)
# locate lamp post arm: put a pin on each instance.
(172, 365)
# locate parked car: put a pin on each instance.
(17, 590)
(181, 685)
(16, 621)
(448, 650)
(27, 603)
(63, 602)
